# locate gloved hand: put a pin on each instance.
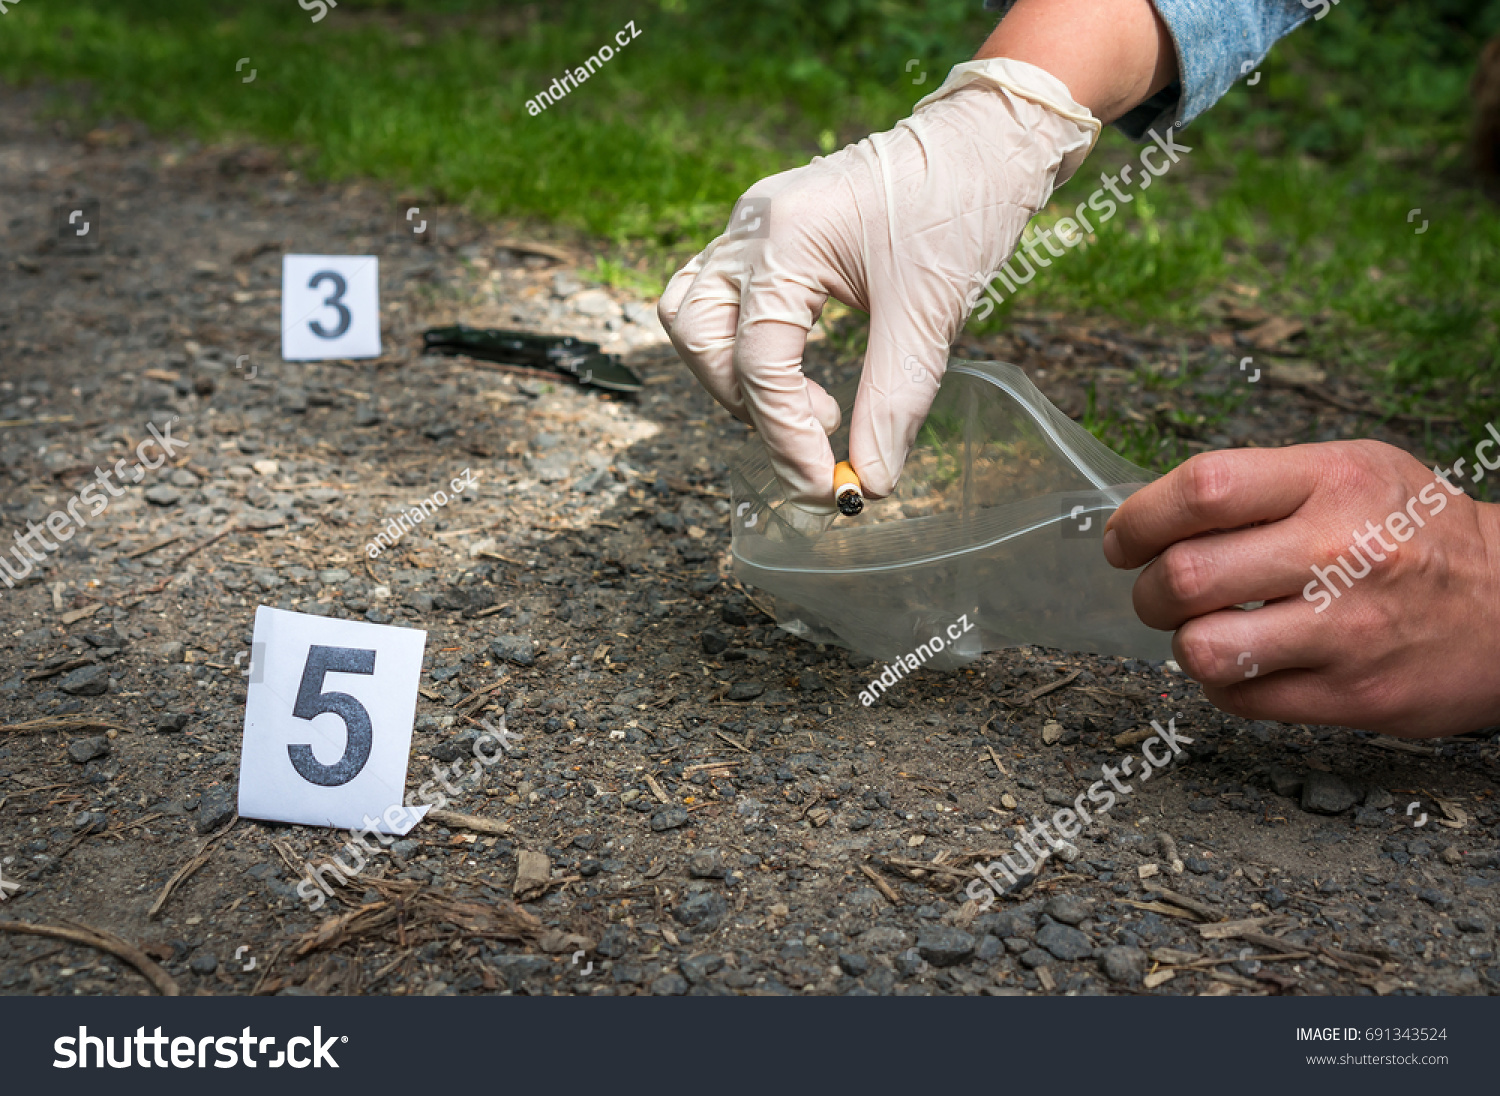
(907, 225)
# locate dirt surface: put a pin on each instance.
(682, 840)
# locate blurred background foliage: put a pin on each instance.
(1298, 189)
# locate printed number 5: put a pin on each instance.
(334, 300)
(313, 701)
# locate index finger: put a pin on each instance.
(1228, 489)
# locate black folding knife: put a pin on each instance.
(583, 361)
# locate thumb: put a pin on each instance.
(903, 368)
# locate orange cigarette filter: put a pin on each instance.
(846, 489)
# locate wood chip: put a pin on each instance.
(1173, 958)
(62, 724)
(104, 941)
(996, 759)
(1202, 909)
(146, 551)
(184, 872)
(454, 820)
(1158, 977)
(75, 615)
(1146, 871)
(531, 247)
(1044, 976)
(1225, 929)
(1130, 738)
(656, 789)
(731, 741)
(1401, 745)
(533, 874)
(1161, 908)
(1456, 818)
(1050, 687)
(881, 885)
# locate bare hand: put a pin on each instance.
(1405, 645)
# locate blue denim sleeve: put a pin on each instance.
(1218, 42)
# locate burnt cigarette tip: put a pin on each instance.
(846, 489)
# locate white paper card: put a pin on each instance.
(330, 307)
(328, 721)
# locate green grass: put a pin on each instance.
(1299, 186)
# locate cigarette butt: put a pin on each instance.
(846, 490)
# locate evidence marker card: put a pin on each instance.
(328, 721)
(330, 307)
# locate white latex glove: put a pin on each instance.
(906, 225)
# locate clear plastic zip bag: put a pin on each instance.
(991, 540)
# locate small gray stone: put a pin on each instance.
(1123, 964)
(746, 690)
(1472, 922)
(82, 750)
(1379, 799)
(92, 680)
(885, 939)
(702, 911)
(1065, 942)
(669, 984)
(697, 968)
(1066, 908)
(217, 807)
(171, 721)
(669, 819)
(163, 495)
(1285, 782)
(1326, 794)
(943, 945)
(205, 962)
(854, 964)
(517, 649)
(706, 864)
(170, 651)
(1033, 958)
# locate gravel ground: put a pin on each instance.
(697, 802)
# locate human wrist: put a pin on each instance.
(987, 82)
(1112, 54)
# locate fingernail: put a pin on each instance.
(1112, 548)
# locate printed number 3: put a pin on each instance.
(334, 300)
(313, 701)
